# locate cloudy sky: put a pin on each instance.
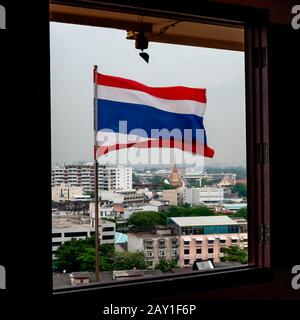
(76, 49)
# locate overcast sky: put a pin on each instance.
(74, 51)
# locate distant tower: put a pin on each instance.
(175, 179)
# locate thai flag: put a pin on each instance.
(131, 114)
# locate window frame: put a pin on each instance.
(255, 23)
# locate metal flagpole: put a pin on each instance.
(97, 269)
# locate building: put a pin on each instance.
(107, 230)
(105, 211)
(65, 228)
(202, 238)
(196, 196)
(175, 179)
(162, 205)
(115, 178)
(234, 207)
(78, 278)
(82, 174)
(159, 243)
(173, 196)
(124, 197)
(227, 181)
(66, 192)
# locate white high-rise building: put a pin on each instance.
(115, 178)
(82, 175)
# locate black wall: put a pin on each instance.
(25, 223)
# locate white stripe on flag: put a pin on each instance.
(110, 138)
(139, 97)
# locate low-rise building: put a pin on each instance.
(159, 243)
(173, 196)
(202, 238)
(162, 205)
(67, 227)
(124, 197)
(66, 192)
(196, 196)
(105, 211)
(78, 278)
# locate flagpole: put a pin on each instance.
(97, 269)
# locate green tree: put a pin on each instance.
(234, 253)
(166, 265)
(241, 213)
(151, 218)
(86, 259)
(147, 218)
(186, 211)
(135, 179)
(129, 260)
(241, 189)
(166, 186)
(79, 255)
(157, 180)
(67, 255)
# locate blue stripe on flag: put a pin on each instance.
(146, 118)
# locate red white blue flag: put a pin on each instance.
(136, 115)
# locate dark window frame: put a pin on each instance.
(255, 23)
(74, 234)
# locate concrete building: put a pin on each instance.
(159, 243)
(107, 230)
(105, 211)
(65, 228)
(162, 205)
(82, 174)
(66, 192)
(115, 178)
(201, 238)
(173, 196)
(203, 195)
(125, 197)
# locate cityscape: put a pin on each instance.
(153, 221)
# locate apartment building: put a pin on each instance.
(159, 243)
(125, 197)
(109, 178)
(202, 238)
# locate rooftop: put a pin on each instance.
(203, 221)
(78, 222)
(71, 221)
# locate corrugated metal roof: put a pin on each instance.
(203, 221)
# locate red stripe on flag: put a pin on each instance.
(194, 148)
(170, 93)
